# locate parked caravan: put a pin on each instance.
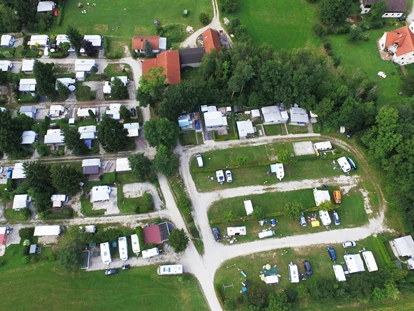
(123, 248)
(148, 253)
(370, 261)
(47, 230)
(293, 273)
(322, 146)
(170, 269)
(266, 234)
(344, 164)
(339, 273)
(135, 244)
(105, 253)
(325, 219)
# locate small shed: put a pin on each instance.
(236, 230)
(34, 249)
(158, 233)
(321, 196)
(255, 114)
(248, 206)
(91, 166)
(21, 201)
(354, 263)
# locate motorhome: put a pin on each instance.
(105, 253)
(266, 234)
(325, 219)
(293, 273)
(135, 244)
(123, 248)
(322, 146)
(148, 253)
(370, 261)
(170, 269)
(344, 164)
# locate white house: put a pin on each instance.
(214, 119)
(5, 65)
(84, 65)
(7, 41)
(105, 253)
(54, 137)
(47, 230)
(96, 40)
(84, 112)
(354, 263)
(399, 44)
(236, 231)
(27, 65)
(122, 165)
(272, 114)
(45, 6)
(18, 171)
(29, 111)
(133, 129)
(100, 193)
(27, 85)
(245, 129)
(113, 111)
(395, 8)
(21, 201)
(28, 137)
(41, 40)
(56, 111)
(87, 132)
(321, 196)
(248, 206)
(404, 246)
(58, 200)
(298, 116)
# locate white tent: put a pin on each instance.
(47, 230)
(100, 193)
(321, 196)
(122, 165)
(245, 128)
(28, 137)
(21, 201)
(248, 206)
(272, 279)
(236, 231)
(339, 273)
(404, 246)
(5, 65)
(133, 129)
(354, 263)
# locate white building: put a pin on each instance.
(339, 273)
(21, 201)
(354, 263)
(298, 116)
(68, 82)
(41, 40)
(29, 111)
(214, 119)
(272, 114)
(7, 41)
(122, 165)
(96, 40)
(47, 230)
(84, 112)
(54, 137)
(399, 44)
(18, 171)
(248, 206)
(370, 261)
(321, 196)
(56, 111)
(245, 129)
(395, 8)
(5, 65)
(27, 65)
(58, 200)
(62, 39)
(236, 231)
(100, 193)
(404, 246)
(87, 132)
(27, 85)
(45, 6)
(124, 79)
(133, 129)
(135, 244)
(28, 137)
(84, 65)
(91, 166)
(113, 111)
(105, 253)
(278, 169)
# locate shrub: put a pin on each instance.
(204, 18)
(26, 250)
(319, 30)
(327, 45)
(344, 29)
(26, 233)
(140, 233)
(25, 213)
(148, 199)
(25, 259)
(53, 257)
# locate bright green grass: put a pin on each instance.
(293, 129)
(123, 19)
(279, 23)
(47, 287)
(190, 137)
(274, 129)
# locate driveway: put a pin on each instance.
(136, 190)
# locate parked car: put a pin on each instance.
(126, 267)
(220, 176)
(197, 125)
(302, 221)
(335, 217)
(349, 244)
(402, 19)
(9, 172)
(229, 177)
(350, 133)
(308, 268)
(111, 271)
(273, 222)
(216, 234)
(199, 160)
(133, 112)
(331, 253)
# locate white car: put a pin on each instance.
(229, 178)
(348, 244)
(220, 176)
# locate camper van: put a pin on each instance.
(293, 273)
(123, 248)
(370, 261)
(322, 146)
(148, 253)
(135, 244)
(105, 253)
(199, 160)
(344, 164)
(170, 269)
(266, 234)
(325, 219)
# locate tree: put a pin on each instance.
(75, 38)
(45, 79)
(334, 11)
(71, 246)
(165, 161)
(278, 302)
(293, 210)
(66, 179)
(161, 131)
(9, 22)
(10, 134)
(258, 213)
(90, 50)
(377, 10)
(178, 240)
(204, 18)
(119, 90)
(148, 48)
(229, 6)
(355, 32)
(141, 166)
(42, 149)
(327, 206)
(243, 73)
(151, 86)
(408, 83)
(125, 113)
(257, 296)
(63, 91)
(74, 142)
(112, 135)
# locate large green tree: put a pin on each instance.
(112, 135)
(165, 161)
(151, 86)
(141, 166)
(75, 38)
(119, 90)
(70, 248)
(74, 142)
(278, 302)
(45, 79)
(178, 240)
(66, 179)
(9, 21)
(10, 134)
(161, 131)
(334, 11)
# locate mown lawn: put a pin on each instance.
(274, 129)
(351, 213)
(190, 137)
(47, 287)
(285, 25)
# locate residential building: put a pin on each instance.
(211, 40)
(68, 82)
(54, 137)
(122, 165)
(272, 114)
(47, 230)
(45, 6)
(113, 111)
(7, 41)
(100, 193)
(5, 65)
(21, 201)
(403, 246)
(27, 85)
(170, 61)
(27, 65)
(88, 132)
(84, 65)
(84, 112)
(191, 57)
(58, 200)
(399, 44)
(41, 40)
(395, 8)
(245, 129)
(18, 171)
(56, 111)
(29, 111)
(298, 116)
(28, 137)
(133, 129)
(96, 40)
(91, 166)
(158, 44)
(62, 39)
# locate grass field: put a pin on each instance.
(281, 24)
(47, 287)
(321, 266)
(351, 213)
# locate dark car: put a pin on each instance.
(197, 125)
(216, 234)
(402, 18)
(111, 271)
(133, 112)
(331, 253)
(307, 266)
(350, 133)
(335, 217)
(126, 267)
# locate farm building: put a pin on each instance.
(158, 44)
(211, 40)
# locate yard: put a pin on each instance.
(191, 137)
(48, 287)
(274, 129)
(322, 270)
(351, 213)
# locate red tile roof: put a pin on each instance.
(211, 40)
(138, 42)
(152, 235)
(403, 37)
(170, 61)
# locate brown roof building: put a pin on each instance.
(157, 43)
(399, 44)
(395, 8)
(211, 40)
(170, 61)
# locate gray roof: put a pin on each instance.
(31, 109)
(91, 170)
(394, 6)
(191, 56)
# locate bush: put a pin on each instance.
(25, 259)
(64, 213)
(59, 54)
(26, 233)
(148, 199)
(319, 30)
(204, 18)
(25, 213)
(327, 45)
(344, 29)
(53, 257)
(140, 233)
(26, 250)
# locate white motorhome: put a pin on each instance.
(47, 230)
(322, 146)
(135, 244)
(325, 218)
(293, 273)
(370, 261)
(339, 273)
(123, 248)
(148, 253)
(105, 253)
(170, 269)
(344, 164)
(266, 234)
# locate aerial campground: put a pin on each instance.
(222, 155)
